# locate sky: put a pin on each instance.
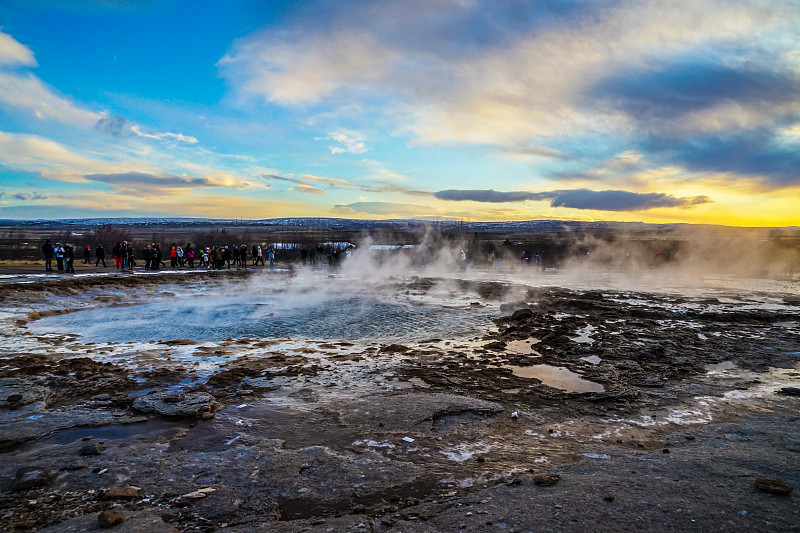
(640, 110)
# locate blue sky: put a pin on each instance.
(610, 110)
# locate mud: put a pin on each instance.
(643, 410)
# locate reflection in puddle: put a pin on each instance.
(557, 377)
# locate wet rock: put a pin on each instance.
(521, 314)
(189, 405)
(395, 348)
(546, 479)
(790, 391)
(773, 486)
(495, 345)
(32, 477)
(80, 464)
(121, 493)
(14, 398)
(180, 342)
(110, 518)
(91, 450)
(133, 419)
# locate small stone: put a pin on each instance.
(80, 464)
(609, 497)
(90, 449)
(481, 459)
(14, 398)
(110, 518)
(773, 486)
(121, 493)
(546, 479)
(87, 437)
(32, 477)
(665, 450)
(790, 391)
(688, 437)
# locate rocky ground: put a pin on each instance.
(575, 411)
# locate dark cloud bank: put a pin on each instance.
(578, 199)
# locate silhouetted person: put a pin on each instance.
(69, 259)
(47, 252)
(87, 255)
(100, 253)
(58, 251)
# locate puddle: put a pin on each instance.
(583, 335)
(557, 377)
(523, 347)
(593, 359)
(724, 365)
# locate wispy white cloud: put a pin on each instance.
(349, 143)
(12, 52)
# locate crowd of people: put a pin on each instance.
(178, 256)
(217, 257)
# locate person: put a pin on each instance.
(173, 256)
(189, 251)
(116, 250)
(259, 256)
(58, 252)
(181, 261)
(271, 254)
(304, 255)
(235, 251)
(129, 256)
(526, 257)
(243, 256)
(100, 254)
(69, 259)
(47, 252)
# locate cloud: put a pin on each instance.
(27, 92)
(495, 73)
(306, 183)
(490, 196)
(308, 189)
(757, 155)
(578, 199)
(291, 68)
(13, 53)
(117, 126)
(384, 209)
(701, 96)
(29, 196)
(350, 143)
(130, 182)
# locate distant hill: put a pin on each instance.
(348, 224)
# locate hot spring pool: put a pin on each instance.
(210, 319)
